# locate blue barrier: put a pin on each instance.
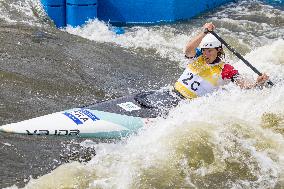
(53, 2)
(126, 11)
(82, 2)
(185, 9)
(135, 11)
(80, 11)
(78, 15)
(153, 11)
(57, 14)
(56, 10)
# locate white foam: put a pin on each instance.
(25, 12)
(161, 39)
(227, 122)
(216, 114)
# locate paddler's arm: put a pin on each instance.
(193, 43)
(245, 84)
(229, 72)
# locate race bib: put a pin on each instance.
(190, 80)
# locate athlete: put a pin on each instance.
(206, 70)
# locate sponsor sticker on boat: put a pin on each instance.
(129, 106)
(81, 116)
(59, 132)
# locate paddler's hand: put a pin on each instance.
(261, 80)
(208, 27)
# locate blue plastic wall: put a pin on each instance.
(80, 11)
(54, 2)
(82, 2)
(77, 12)
(57, 15)
(56, 10)
(136, 11)
(153, 11)
(185, 9)
(78, 15)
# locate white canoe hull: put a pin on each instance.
(78, 122)
(110, 119)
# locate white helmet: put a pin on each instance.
(210, 41)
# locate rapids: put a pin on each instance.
(232, 138)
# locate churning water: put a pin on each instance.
(230, 139)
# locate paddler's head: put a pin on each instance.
(211, 48)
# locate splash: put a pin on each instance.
(230, 139)
(245, 25)
(161, 40)
(27, 12)
(273, 121)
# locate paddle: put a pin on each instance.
(238, 55)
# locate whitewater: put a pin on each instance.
(232, 138)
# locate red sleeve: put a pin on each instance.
(229, 72)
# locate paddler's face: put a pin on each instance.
(210, 54)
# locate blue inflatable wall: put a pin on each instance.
(126, 11)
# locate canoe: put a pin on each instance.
(110, 119)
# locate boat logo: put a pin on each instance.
(129, 106)
(73, 132)
(80, 116)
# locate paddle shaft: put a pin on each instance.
(238, 55)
